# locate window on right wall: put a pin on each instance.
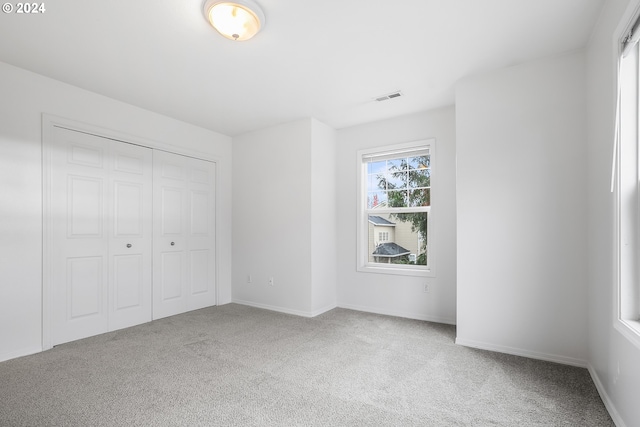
(628, 190)
(394, 213)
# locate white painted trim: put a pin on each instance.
(628, 329)
(50, 121)
(47, 231)
(20, 353)
(125, 137)
(217, 228)
(405, 314)
(279, 309)
(323, 310)
(608, 403)
(398, 270)
(564, 360)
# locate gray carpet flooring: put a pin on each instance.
(240, 366)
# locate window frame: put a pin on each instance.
(627, 200)
(363, 263)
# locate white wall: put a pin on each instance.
(521, 189)
(25, 96)
(324, 218)
(393, 294)
(613, 360)
(272, 217)
(285, 218)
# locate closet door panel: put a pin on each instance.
(172, 280)
(79, 263)
(202, 268)
(172, 212)
(170, 234)
(131, 235)
(128, 280)
(199, 277)
(184, 234)
(85, 198)
(85, 281)
(129, 209)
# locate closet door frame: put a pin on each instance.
(49, 123)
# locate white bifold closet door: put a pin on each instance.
(184, 234)
(101, 201)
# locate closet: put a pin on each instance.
(132, 234)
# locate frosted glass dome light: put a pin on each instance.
(236, 20)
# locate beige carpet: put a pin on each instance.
(241, 366)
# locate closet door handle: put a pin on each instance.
(173, 243)
(128, 245)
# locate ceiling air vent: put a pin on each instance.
(389, 96)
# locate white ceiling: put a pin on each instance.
(326, 59)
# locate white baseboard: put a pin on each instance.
(284, 309)
(407, 315)
(19, 353)
(565, 360)
(323, 310)
(436, 319)
(615, 416)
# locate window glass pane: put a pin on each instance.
(396, 180)
(420, 197)
(397, 164)
(376, 199)
(400, 173)
(398, 238)
(397, 199)
(373, 182)
(378, 177)
(419, 178)
(419, 162)
(376, 167)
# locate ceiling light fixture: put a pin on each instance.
(236, 20)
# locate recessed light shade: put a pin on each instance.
(239, 20)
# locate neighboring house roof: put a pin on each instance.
(378, 220)
(390, 249)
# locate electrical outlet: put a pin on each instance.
(248, 278)
(270, 281)
(426, 288)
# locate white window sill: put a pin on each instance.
(630, 329)
(399, 271)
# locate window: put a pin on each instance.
(628, 190)
(394, 212)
